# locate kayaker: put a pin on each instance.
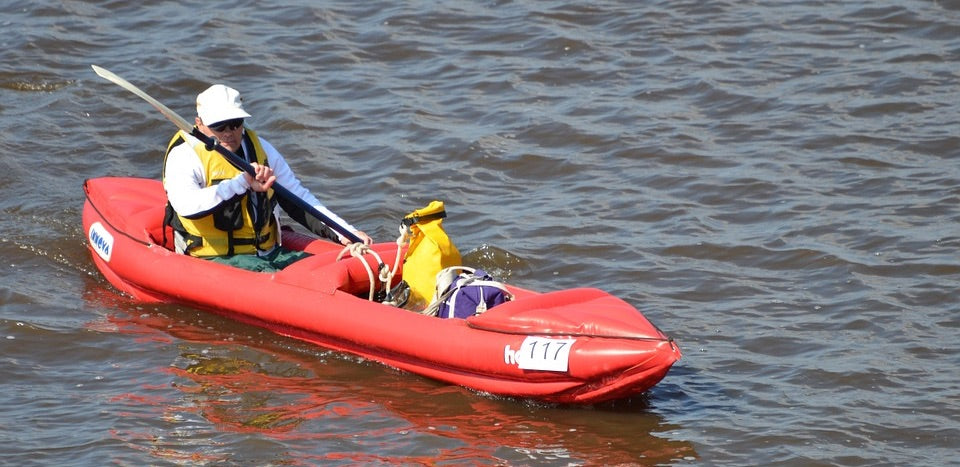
(224, 214)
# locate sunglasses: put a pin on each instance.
(226, 125)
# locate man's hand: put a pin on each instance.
(264, 177)
(366, 239)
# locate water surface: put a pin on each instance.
(775, 185)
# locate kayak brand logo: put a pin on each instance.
(540, 353)
(101, 241)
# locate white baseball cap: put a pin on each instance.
(220, 103)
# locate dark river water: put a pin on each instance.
(775, 184)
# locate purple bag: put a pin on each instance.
(471, 293)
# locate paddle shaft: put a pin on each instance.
(234, 159)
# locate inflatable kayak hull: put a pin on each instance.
(577, 346)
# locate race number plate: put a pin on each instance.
(544, 353)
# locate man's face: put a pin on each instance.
(229, 133)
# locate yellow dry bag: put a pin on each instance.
(429, 252)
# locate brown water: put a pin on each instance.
(775, 184)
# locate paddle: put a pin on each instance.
(234, 159)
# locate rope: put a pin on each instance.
(357, 250)
(385, 274)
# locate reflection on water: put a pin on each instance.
(231, 382)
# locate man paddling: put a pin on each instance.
(227, 215)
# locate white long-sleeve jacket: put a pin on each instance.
(188, 193)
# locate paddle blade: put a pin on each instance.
(177, 120)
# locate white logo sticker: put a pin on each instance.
(101, 241)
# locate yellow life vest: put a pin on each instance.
(230, 228)
(429, 251)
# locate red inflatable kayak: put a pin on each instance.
(573, 346)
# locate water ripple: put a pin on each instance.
(772, 183)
